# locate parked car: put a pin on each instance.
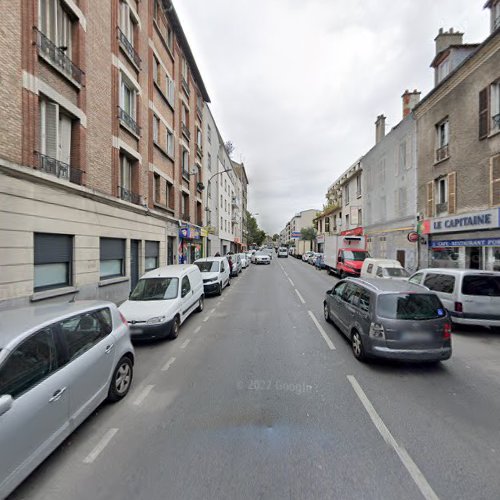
(305, 256)
(269, 252)
(390, 319)
(262, 258)
(471, 297)
(383, 268)
(244, 260)
(282, 252)
(236, 264)
(162, 300)
(313, 257)
(215, 274)
(58, 363)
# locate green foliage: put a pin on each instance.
(255, 234)
(308, 233)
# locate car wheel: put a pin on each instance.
(229, 282)
(201, 304)
(121, 381)
(342, 275)
(219, 289)
(174, 333)
(326, 312)
(357, 346)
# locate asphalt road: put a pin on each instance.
(260, 398)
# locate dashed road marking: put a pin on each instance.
(416, 474)
(300, 296)
(291, 282)
(100, 446)
(168, 364)
(197, 329)
(185, 343)
(143, 395)
(322, 331)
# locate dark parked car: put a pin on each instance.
(390, 319)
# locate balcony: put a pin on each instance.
(441, 208)
(128, 48)
(199, 150)
(442, 153)
(57, 56)
(126, 195)
(59, 169)
(129, 122)
(185, 131)
(185, 86)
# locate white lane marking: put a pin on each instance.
(416, 474)
(212, 311)
(222, 300)
(206, 319)
(291, 282)
(286, 274)
(100, 446)
(185, 343)
(168, 364)
(143, 394)
(322, 331)
(300, 296)
(197, 329)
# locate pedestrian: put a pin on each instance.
(217, 254)
(230, 265)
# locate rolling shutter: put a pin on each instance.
(495, 180)
(430, 199)
(53, 248)
(452, 193)
(112, 248)
(152, 248)
(484, 114)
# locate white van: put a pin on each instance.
(162, 300)
(215, 274)
(383, 268)
(471, 297)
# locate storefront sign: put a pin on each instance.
(320, 238)
(295, 235)
(488, 219)
(413, 237)
(353, 232)
(189, 232)
(488, 242)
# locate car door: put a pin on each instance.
(416, 278)
(90, 347)
(224, 273)
(347, 311)
(186, 297)
(335, 303)
(38, 420)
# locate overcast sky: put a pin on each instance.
(297, 84)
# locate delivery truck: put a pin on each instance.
(344, 255)
(301, 247)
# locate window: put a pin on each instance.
(170, 38)
(327, 225)
(442, 140)
(170, 143)
(484, 113)
(380, 273)
(185, 287)
(443, 70)
(184, 69)
(416, 278)
(127, 97)
(198, 137)
(156, 288)
(157, 188)
(31, 362)
(112, 257)
(441, 195)
(495, 180)
(84, 331)
(495, 105)
(221, 224)
(156, 71)
(209, 133)
(364, 300)
(482, 285)
(126, 22)
(185, 163)
(360, 217)
(185, 206)
(444, 283)
(170, 90)
(358, 186)
(185, 116)
(414, 306)
(53, 261)
(170, 195)
(346, 195)
(56, 24)
(347, 221)
(126, 173)
(152, 255)
(402, 157)
(156, 129)
(209, 162)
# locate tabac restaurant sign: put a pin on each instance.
(488, 219)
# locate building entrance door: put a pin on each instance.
(134, 263)
(474, 258)
(401, 257)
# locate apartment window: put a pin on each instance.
(185, 162)
(56, 24)
(327, 225)
(152, 255)
(157, 188)
(185, 206)
(209, 133)
(209, 162)
(126, 172)
(360, 217)
(184, 69)
(402, 157)
(209, 190)
(496, 16)
(402, 200)
(495, 104)
(198, 137)
(170, 143)
(170, 37)
(156, 129)
(347, 221)
(221, 224)
(53, 261)
(346, 194)
(126, 22)
(112, 257)
(156, 70)
(442, 140)
(170, 89)
(170, 195)
(55, 133)
(185, 116)
(128, 96)
(443, 70)
(358, 186)
(441, 192)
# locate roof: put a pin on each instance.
(444, 53)
(173, 271)
(22, 322)
(209, 259)
(176, 24)
(448, 270)
(385, 285)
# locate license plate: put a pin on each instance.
(417, 336)
(135, 331)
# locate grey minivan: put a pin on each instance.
(390, 319)
(58, 363)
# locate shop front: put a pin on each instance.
(320, 243)
(190, 244)
(466, 241)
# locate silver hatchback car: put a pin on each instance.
(58, 363)
(390, 319)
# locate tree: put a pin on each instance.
(276, 237)
(308, 233)
(229, 148)
(254, 233)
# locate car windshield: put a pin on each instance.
(208, 266)
(261, 254)
(481, 284)
(410, 306)
(155, 289)
(358, 255)
(396, 272)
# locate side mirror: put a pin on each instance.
(5, 404)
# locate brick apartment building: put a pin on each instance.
(101, 113)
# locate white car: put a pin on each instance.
(262, 258)
(162, 300)
(305, 257)
(58, 363)
(282, 252)
(244, 260)
(215, 274)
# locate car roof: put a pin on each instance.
(22, 322)
(446, 270)
(381, 285)
(210, 259)
(173, 271)
(382, 262)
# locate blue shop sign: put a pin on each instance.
(488, 219)
(486, 242)
(189, 232)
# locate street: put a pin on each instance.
(259, 397)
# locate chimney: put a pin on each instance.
(410, 100)
(447, 38)
(379, 128)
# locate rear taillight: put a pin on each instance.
(447, 331)
(377, 331)
(459, 307)
(122, 317)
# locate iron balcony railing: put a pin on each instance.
(185, 86)
(128, 195)
(126, 119)
(442, 153)
(129, 48)
(199, 150)
(185, 131)
(57, 56)
(59, 169)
